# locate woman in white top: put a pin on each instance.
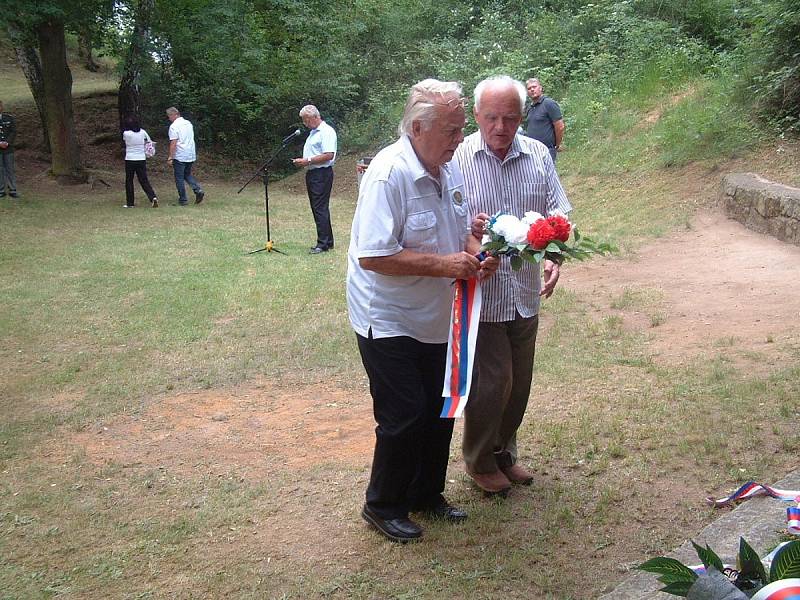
(136, 162)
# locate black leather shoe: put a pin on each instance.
(448, 512)
(198, 197)
(397, 530)
(317, 250)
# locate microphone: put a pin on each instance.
(291, 136)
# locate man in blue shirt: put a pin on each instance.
(319, 154)
(543, 120)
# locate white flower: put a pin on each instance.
(486, 239)
(504, 224)
(531, 217)
(511, 228)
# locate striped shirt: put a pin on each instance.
(525, 180)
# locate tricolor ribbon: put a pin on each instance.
(464, 321)
(751, 488)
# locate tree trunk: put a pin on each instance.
(129, 96)
(85, 51)
(57, 79)
(29, 63)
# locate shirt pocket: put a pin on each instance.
(420, 232)
(530, 196)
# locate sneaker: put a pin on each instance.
(154, 202)
(198, 197)
(13, 194)
(128, 206)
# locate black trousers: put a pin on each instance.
(412, 442)
(319, 183)
(138, 167)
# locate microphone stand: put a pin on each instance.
(269, 246)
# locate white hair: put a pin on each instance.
(173, 111)
(309, 110)
(500, 81)
(423, 99)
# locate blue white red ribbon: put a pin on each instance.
(751, 488)
(464, 321)
(784, 589)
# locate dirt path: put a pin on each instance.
(718, 283)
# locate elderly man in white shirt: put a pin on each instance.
(182, 156)
(410, 239)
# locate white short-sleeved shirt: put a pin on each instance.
(320, 140)
(134, 144)
(525, 180)
(182, 130)
(400, 208)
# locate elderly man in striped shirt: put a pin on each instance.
(504, 171)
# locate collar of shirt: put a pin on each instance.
(418, 171)
(513, 152)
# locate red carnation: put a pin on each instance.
(540, 234)
(560, 226)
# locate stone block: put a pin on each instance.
(762, 205)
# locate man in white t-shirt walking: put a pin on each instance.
(182, 155)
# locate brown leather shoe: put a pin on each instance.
(491, 483)
(518, 474)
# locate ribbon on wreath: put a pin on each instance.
(784, 589)
(751, 488)
(464, 321)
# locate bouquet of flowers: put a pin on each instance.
(534, 238)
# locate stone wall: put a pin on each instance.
(762, 205)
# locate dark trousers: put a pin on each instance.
(319, 183)
(501, 385)
(7, 172)
(139, 168)
(412, 442)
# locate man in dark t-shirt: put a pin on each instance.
(8, 131)
(543, 119)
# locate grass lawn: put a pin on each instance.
(119, 327)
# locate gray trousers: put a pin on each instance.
(7, 172)
(501, 384)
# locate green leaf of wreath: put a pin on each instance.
(750, 566)
(786, 563)
(678, 588)
(671, 570)
(709, 557)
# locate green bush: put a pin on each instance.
(775, 54)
